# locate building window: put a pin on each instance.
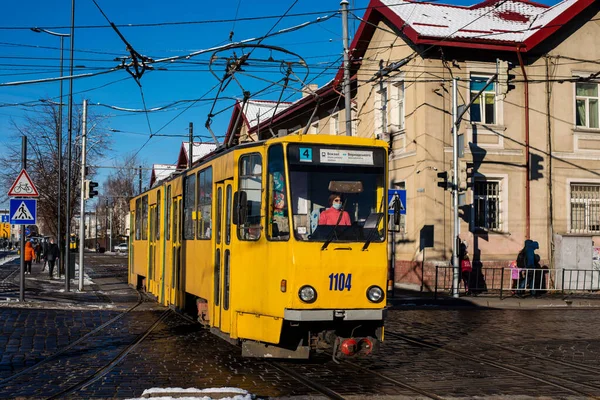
(189, 205)
(483, 108)
(585, 207)
(204, 211)
(397, 116)
(335, 124)
(250, 181)
(314, 128)
(380, 122)
(486, 202)
(586, 104)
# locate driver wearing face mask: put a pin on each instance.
(331, 215)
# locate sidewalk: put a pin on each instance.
(404, 298)
(100, 290)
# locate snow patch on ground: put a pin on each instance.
(225, 393)
(8, 259)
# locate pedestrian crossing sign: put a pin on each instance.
(397, 200)
(23, 211)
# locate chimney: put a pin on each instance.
(309, 89)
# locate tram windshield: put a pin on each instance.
(337, 193)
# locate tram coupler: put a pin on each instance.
(354, 347)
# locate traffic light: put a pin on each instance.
(510, 77)
(443, 180)
(89, 189)
(535, 167)
(469, 174)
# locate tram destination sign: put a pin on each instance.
(336, 155)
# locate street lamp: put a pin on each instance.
(62, 36)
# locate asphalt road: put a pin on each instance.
(111, 343)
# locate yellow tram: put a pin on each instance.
(241, 241)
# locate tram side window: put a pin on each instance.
(168, 214)
(278, 219)
(189, 205)
(157, 225)
(250, 181)
(138, 219)
(145, 217)
(204, 212)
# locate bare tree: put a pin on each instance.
(119, 188)
(41, 128)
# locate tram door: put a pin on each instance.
(151, 285)
(222, 272)
(175, 276)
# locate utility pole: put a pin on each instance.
(96, 225)
(140, 180)
(347, 91)
(191, 146)
(106, 222)
(22, 280)
(68, 207)
(110, 221)
(455, 236)
(82, 193)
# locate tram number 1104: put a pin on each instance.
(340, 282)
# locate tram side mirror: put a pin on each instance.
(345, 186)
(240, 207)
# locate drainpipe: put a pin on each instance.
(527, 188)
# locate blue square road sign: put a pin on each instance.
(397, 197)
(23, 211)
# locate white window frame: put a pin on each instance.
(334, 123)
(378, 112)
(586, 202)
(397, 117)
(314, 127)
(482, 96)
(502, 180)
(587, 105)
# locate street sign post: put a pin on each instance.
(5, 219)
(23, 211)
(23, 186)
(397, 195)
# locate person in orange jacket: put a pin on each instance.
(28, 256)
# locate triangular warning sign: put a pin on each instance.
(22, 213)
(23, 186)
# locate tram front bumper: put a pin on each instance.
(334, 315)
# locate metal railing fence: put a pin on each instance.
(507, 282)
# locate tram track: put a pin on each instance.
(141, 299)
(533, 375)
(102, 371)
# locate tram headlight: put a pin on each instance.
(307, 294)
(375, 294)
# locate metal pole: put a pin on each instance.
(140, 180)
(110, 218)
(106, 223)
(68, 223)
(22, 280)
(456, 224)
(96, 225)
(191, 146)
(347, 93)
(60, 161)
(82, 192)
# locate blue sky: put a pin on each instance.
(28, 55)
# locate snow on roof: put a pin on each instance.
(501, 20)
(163, 171)
(199, 150)
(260, 110)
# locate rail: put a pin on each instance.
(508, 282)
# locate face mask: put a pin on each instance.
(337, 206)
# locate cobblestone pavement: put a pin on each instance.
(448, 357)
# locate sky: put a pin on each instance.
(178, 28)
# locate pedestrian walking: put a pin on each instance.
(28, 257)
(465, 270)
(515, 272)
(52, 255)
(38, 252)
